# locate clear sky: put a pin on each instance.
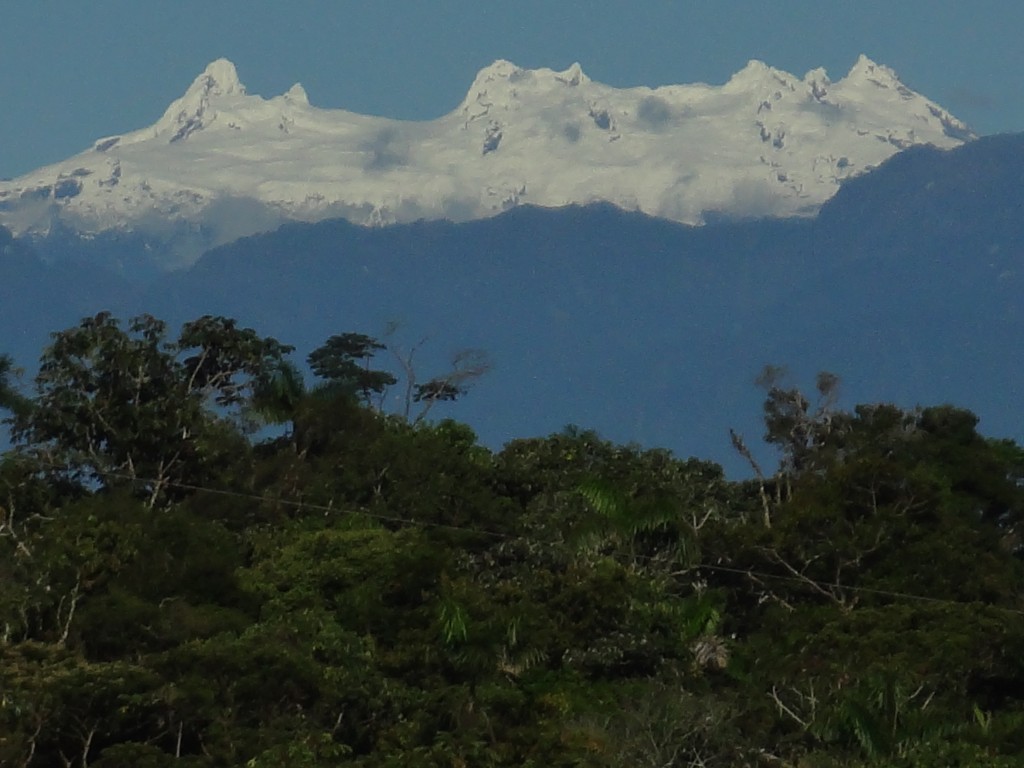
(73, 71)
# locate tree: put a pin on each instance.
(11, 399)
(276, 398)
(799, 430)
(115, 406)
(466, 366)
(800, 433)
(343, 361)
(57, 708)
(656, 722)
(646, 531)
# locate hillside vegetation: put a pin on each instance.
(207, 562)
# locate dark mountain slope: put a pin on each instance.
(37, 298)
(907, 285)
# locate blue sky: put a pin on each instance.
(73, 71)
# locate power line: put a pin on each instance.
(806, 581)
(306, 505)
(866, 590)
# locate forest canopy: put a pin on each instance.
(367, 585)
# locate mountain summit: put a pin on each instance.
(221, 163)
(193, 111)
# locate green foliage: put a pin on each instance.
(344, 361)
(801, 430)
(278, 394)
(117, 407)
(58, 707)
(10, 398)
(374, 590)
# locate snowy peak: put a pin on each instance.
(868, 70)
(868, 81)
(490, 82)
(869, 76)
(758, 75)
(297, 95)
(220, 163)
(220, 78)
(502, 84)
(573, 75)
(195, 110)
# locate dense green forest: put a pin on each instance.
(206, 561)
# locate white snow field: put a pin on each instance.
(223, 163)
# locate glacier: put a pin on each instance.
(221, 163)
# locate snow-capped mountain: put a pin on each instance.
(221, 163)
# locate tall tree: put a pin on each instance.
(115, 406)
(344, 362)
